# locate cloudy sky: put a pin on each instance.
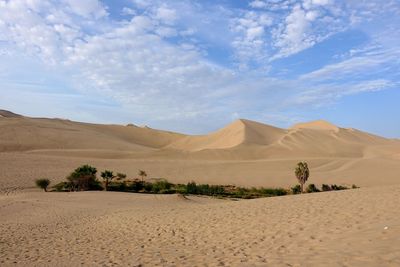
(194, 66)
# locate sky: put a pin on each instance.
(195, 66)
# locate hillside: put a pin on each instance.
(22, 134)
(238, 133)
(247, 138)
(244, 152)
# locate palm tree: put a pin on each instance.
(302, 173)
(107, 176)
(142, 174)
(43, 183)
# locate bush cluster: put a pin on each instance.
(334, 187)
(43, 183)
(84, 178)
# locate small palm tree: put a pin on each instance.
(302, 173)
(107, 176)
(43, 183)
(142, 174)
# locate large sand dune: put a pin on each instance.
(243, 153)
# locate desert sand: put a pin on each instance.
(359, 227)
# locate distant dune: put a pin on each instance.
(244, 152)
(8, 114)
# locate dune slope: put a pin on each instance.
(22, 134)
(240, 132)
(244, 152)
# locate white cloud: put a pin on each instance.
(306, 25)
(272, 5)
(250, 42)
(312, 15)
(294, 35)
(87, 8)
(142, 3)
(128, 11)
(258, 4)
(355, 66)
(166, 15)
(319, 96)
(256, 32)
(166, 31)
(308, 4)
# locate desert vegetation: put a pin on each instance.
(43, 183)
(107, 176)
(302, 173)
(84, 178)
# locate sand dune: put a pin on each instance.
(317, 125)
(22, 134)
(243, 153)
(240, 132)
(308, 139)
(8, 114)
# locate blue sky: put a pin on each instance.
(194, 66)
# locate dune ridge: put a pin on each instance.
(245, 152)
(23, 134)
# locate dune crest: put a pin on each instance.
(242, 138)
(240, 132)
(9, 114)
(317, 125)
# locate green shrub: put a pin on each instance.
(296, 189)
(180, 188)
(248, 196)
(216, 190)
(272, 191)
(354, 186)
(43, 183)
(338, 187)
(241, 192)
(135, 186)
(203, 189)
(161, 186)
(147, 187)
(191, 188)
(326, 187)
(63, 187)
(117, 186)
(95, 185)
(84, 178)
(311, 188)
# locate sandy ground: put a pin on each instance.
(19, 170)
(347, 228)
